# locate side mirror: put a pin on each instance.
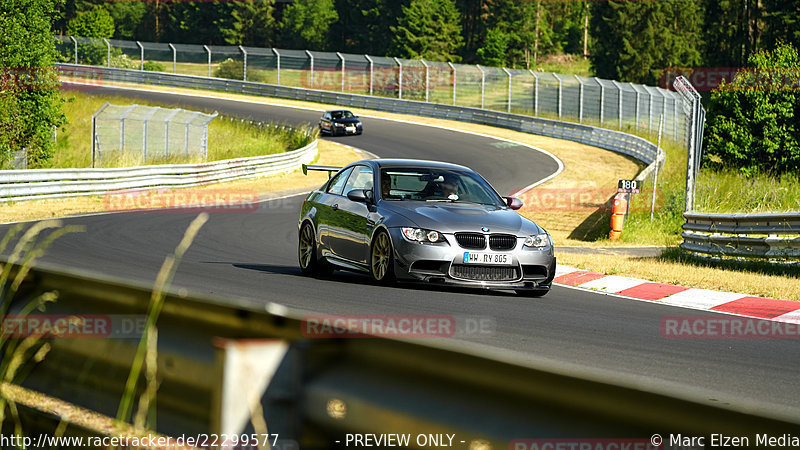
(359, 195)
(514, 203)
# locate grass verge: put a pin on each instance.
(676, 267)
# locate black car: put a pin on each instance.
(339, 122)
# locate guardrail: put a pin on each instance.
(616, 141)
(218, 356)
(18, 185)
(752, 236)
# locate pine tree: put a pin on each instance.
(637, 41)
(781, 22)
(306, 24)
(429, 29)
(253, 24)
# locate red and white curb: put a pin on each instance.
(725, 302)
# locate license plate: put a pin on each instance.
(502, 259)
(351, 129)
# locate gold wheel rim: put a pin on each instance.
(306, 246)
(380, 256)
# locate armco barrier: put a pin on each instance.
(751, 236)
(218, 356)
(50, 183)
(616, 141)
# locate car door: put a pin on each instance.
(351, 241)
(328, 217)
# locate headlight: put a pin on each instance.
(420, 235)
(538, 240)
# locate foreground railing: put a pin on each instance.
(217, 357)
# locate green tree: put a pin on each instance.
(95, 23)
(495, 48)
(754, 122)
(253, 24)
(306, 24)
(429, 29)
(781, 22)
(731, 31)
(364, 26)
(636, 41)
(29, 103)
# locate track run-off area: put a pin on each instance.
(252, 256)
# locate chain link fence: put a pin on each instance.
(610, 104)
(135, 134)
(19, 159)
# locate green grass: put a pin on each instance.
(227, 138)
(728, 191)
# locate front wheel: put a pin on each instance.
(307, 253)
(381, 266)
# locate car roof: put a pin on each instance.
(412, 163)
(337, 110)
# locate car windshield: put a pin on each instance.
(437, 185)
(342, 115)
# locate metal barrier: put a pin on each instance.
(752, 236)
(616, 141)
(216, 353)
(625, 106)
(18, 185)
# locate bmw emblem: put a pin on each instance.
(484, 229)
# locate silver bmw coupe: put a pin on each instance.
(426, 221)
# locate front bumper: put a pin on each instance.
(347, 129)
(530, 268)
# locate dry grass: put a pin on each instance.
(330, 154)
(693, 274)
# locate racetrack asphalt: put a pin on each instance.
(253, 255)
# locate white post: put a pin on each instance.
(619, 105)
(208, 50)
(649, 110)
(141, 55)
(427, 79)
(166, 130)
(535, 93)
(453, 68)
(580, 99)
(371, 66)
(483, 85)
(244, 63)
(509, 88)
(174, 59)
(675, 117)
(399, 78)
(342, 58)
(637, 104)
(312, 67)
(278, 55)
(559, 94)
(75, 43)
(655, 175)
(108, 52)
(602, 99)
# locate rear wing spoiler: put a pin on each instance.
(329, 169)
